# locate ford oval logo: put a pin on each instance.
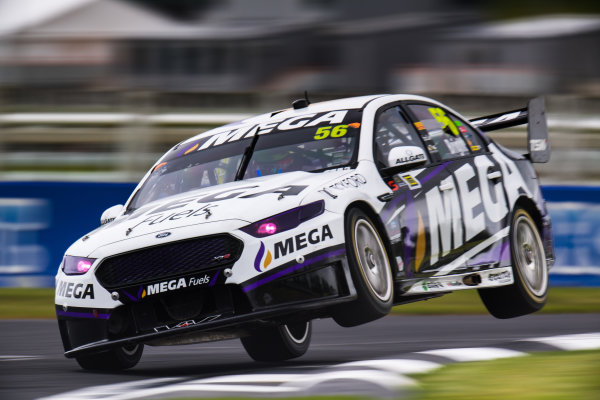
(163, 235)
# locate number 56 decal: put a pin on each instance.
(334, 131)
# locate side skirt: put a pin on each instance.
(471, 280)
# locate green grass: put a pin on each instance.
(541, 376)
(39, 303)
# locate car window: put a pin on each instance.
(392, 129)
(473, 139)
(438, 127)
(305, 142)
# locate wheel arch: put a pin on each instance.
(371, 213)
(530, 206)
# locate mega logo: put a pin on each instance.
(478, 198)
(189, 206)
(258, 261)
(175, 284)
(75, 290)
(248, 131)
(302, 240)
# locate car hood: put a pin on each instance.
(211, 210)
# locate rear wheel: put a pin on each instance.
(279, 343)
(371, 272)
(115, 359)
(530, 290)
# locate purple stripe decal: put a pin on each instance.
(130, 296)
(81, 314)
(411, 231)
(214, 278)
(292, 269)
(259, 255)
(434, 172)
(505, 252)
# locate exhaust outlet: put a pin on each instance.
(472, 280)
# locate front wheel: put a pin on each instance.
(116, 359)
(279, 343)
(530, 290)
(371, 272)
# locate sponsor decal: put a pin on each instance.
(427, 285)
(500, 277)
(409, 158)
(175, 284)
(502, 118)
(302, 240)
(352, 181)
(259, 257)
(73, 290)
(223, 257)
(162, 164)
(334, 131)
(538, 144)
(445, 122)
(419, 125)
(248, 131)
(168, 286)
(410, 181)
(476, 201)
(187, 323)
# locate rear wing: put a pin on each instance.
(538, 143)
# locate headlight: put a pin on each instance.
(286, 220)
(77, 265)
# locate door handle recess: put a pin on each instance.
(494, 175)
(447, 186)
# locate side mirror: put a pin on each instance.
(404, 158)
(110, 214)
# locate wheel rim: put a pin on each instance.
(297, 332)
(529, 256)
(130, 349)
(372, 260)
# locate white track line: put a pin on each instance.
(19, 358)
(582, 341)
(384, 379)
(474, 353)
(252, 378)
(385, 373)
(108, 391)
(398, 366)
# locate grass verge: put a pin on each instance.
(539, 376)
(39, 303)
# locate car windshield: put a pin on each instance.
(309, 142)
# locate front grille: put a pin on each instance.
(168, 260)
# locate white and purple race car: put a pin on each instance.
(337, 209)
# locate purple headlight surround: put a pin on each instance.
(77, 265)
(286, 220)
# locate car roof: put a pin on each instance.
(347, 103)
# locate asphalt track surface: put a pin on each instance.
(32, 364)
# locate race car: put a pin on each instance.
(339, 209)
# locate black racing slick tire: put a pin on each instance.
(116, 359)
(279, 343)
(529, 291)
(370, 269)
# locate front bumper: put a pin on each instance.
(290, 292)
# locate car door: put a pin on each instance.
(472, 191)
(405, 213)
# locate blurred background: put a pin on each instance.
(92, 92)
